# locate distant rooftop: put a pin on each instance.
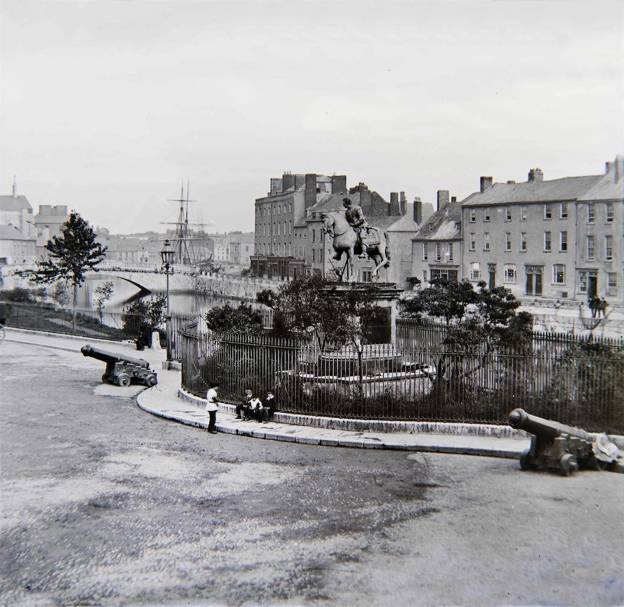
(14, 203)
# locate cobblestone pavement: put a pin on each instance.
(103, 504)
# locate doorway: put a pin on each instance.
(534, 280)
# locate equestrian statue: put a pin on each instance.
(351, 235)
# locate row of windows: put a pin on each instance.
(558, 276)
(590, 247)
(563, 241)
(277, 249)
(273, 209)
(562, 208)
(280, 228)
(440, 250)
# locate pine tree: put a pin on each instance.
(70, 256)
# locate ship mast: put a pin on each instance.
(181, 246)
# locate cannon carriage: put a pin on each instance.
(121, 370)
(563, 448)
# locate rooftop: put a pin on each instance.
(566, 188)
(444, 224)
(14, 203)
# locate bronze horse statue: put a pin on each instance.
(345, 241)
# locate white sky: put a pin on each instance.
(107, 105)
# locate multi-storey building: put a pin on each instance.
(558, 239)
(280, 217)
(437, 247)
(240, 248)
(18, 235)
(49, 223)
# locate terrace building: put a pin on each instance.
(437, 247)
(558, 239)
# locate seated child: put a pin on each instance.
(270, 406)
(255, 409)
(242, 409)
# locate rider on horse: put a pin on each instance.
(355, 218)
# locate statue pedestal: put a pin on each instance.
(386, 297)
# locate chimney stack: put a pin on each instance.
(443, 199)
(618, 165)
(14, 189)
(536, 175)
(310, 190)
(288, 181)
(485, 183)
(417, 210)
(402, 203)
(339, 184)
(394, 209)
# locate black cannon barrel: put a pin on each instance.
(521, 420)
(112, 357)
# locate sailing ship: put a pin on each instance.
(192, 247)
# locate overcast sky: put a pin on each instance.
(106, 105)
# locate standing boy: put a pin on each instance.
(211, 407)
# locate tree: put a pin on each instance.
(142, 317)
(70, 256)
(227, 319)
(102, 294)
(477, 322)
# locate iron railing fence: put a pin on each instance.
(574, 381)
(114, 325)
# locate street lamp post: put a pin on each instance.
(167, 255)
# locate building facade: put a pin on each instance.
(18, 235)
(437, 247)
(49, 223)
(241, 248)
(280, 221)
(559, 239)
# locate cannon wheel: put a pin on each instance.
(151, 380)
(123, 380)
(599, 465)
(526, 462)
(568, 464)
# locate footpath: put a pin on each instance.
(168, 401)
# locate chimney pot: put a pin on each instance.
(443, 199)
(453, 199)
(618, 166)
(485, 183)
(536, 175)
(402, 203)
(417, 210)
(394, 208)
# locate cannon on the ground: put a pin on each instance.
(555, 446)
(121, 370)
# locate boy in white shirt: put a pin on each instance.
(255, 408)
(212, 408)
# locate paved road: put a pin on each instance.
(103, 504)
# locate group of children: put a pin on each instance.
(252, 407)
